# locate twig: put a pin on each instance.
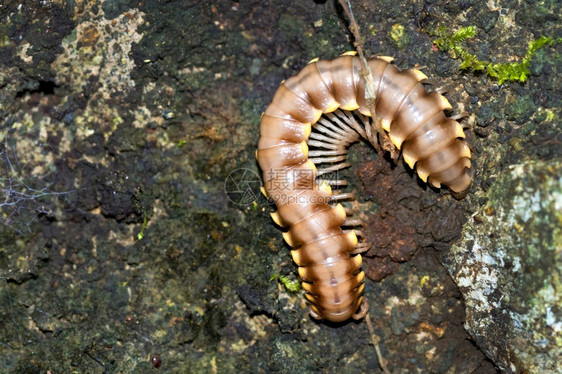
(375, 341)
(19, 200)
(370, 95)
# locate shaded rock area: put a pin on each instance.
(508, 265)
(133, 237)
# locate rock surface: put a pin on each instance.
(122, 246)
(508, 265)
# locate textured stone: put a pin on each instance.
(508, 265)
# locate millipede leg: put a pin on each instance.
(363, 310)
(441, 90)
(324, 152)
(361, 128)
(350, 123)
(332, 132)
(314, 312)
(320, 144)
(333, 168)
(329, 140)
(361, 247)
(343, 196)
(327, 160)
(337, 126)
(336, 183)
(458, 116)
(360, 234)
(352, 222)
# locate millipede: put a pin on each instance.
(305, 134)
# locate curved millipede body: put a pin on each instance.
(313, 110)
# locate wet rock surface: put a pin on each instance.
(124, 246)
(507, 266)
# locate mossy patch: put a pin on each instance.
(398, 35)
(505, 71)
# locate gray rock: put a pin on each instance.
(508, 266)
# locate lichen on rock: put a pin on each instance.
(508, 265)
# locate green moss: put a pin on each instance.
(140, 235)
(5, 40)
(292, 286)
(549, 115)
(520, 108)
(398, 35)
(514, 71)
(324, 37)
(290, 25)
